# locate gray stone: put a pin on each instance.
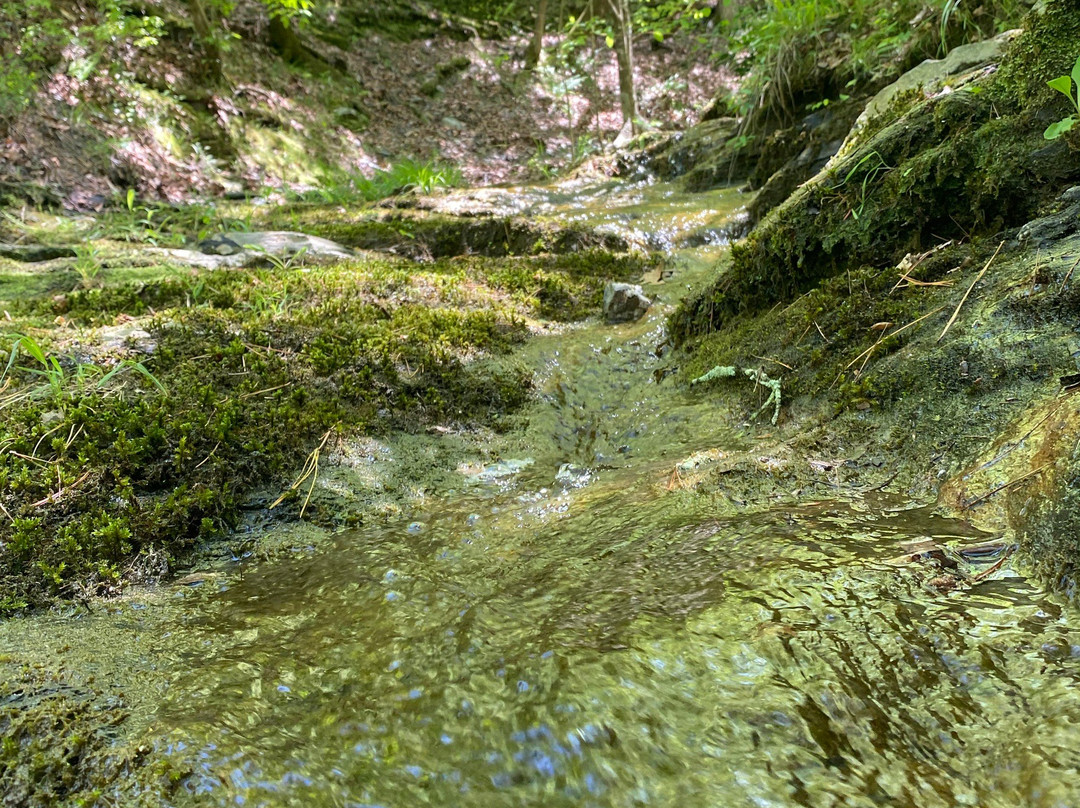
(624, 302)
(1046, 230)
(126, 337)
(1071, 194)
(931, 75)
(219, 245)
(240, 249)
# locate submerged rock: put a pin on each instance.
(494, 472)
(572, 476)
(624, 302)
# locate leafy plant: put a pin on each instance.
(87, 265)
(946, 16)
(60, 384)
(875, 166)
(1064, 85)
(425, 177)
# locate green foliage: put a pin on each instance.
(1064, 85)
(789, 42)
(662, 18)
(289, 9)
(87, 265)
(871, 166)
(423, 177)
(62, 381)
(39, 40)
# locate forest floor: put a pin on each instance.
(154, 126)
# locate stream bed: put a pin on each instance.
(565, 628)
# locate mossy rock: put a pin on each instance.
(956, 166)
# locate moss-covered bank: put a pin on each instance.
(956, 166)
(109, 479)
(919, 300)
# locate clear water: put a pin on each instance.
(567, 631)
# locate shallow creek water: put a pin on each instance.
(563, 630)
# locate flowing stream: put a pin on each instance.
(562, 629)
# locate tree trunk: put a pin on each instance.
(205, 33)
(536, 47)
(285, 41)
(619, 14)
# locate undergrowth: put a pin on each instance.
(797, 53)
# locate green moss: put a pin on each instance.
(955, 167)
(258, 365)
(423, 236)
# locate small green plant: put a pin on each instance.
(87, 265)
(814, 107)
(875, 167)
(943, 27)
(341, 188)
(62, 384)
(1064, 85)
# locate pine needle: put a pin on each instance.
(311, 469)
(963, 300)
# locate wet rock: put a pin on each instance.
(1047, 230)
(572, 476)
(275, 242)
(239, 249)
(494, 472)
(219, 245)
(624, 302)
(52, 417)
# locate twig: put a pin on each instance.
(72, 436)
(963, 300)
(818, 327)
(1068, 275)
(774, 361)
(1003, 486)
(878, 487)
(884, 337)
(260, 392)
(914, 282)
(56, 497)
(206, 459)
(311, 469)
(8, 515)
(994, 568)
(31, 459)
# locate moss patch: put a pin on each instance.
(423, 236)
(101, 483)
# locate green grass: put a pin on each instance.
(407, 175)
(789, 41)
